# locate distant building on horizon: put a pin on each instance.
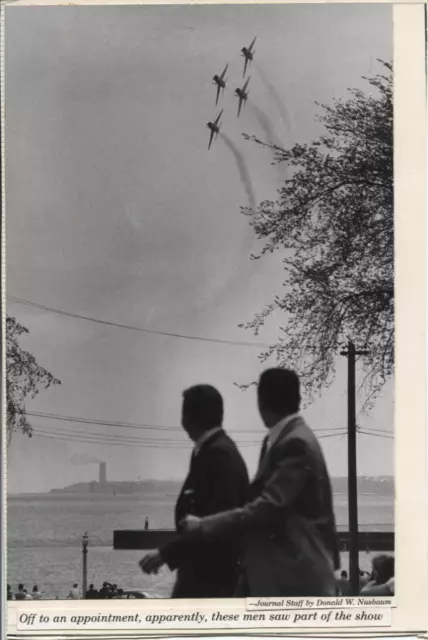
(103, 473)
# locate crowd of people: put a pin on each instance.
(23, 594)
(106, 591)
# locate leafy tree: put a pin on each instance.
(333, 219)
(24, 379)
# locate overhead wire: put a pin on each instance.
(169, 334)
(107, 439)
(133, 425)
(376, 435)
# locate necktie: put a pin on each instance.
(263, 449)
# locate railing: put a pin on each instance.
(135, 539)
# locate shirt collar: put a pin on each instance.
(204, 437)
(278, 428)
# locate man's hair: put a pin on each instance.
(279, 391)
(384, 566)
(344, 574)
(20, 586)
(203, 404)
(35, 588)
(75, 585)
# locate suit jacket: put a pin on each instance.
(217, 481)
(287, 527)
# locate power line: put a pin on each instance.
(133, 425)
(375, 435)
(102, 439)
(103, 436)
(114, 437)
(107, 436)
(106, 423)
(381, 431)
(77, 316)
(98, 442)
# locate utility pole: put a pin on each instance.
(354, 569)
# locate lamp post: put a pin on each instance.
(85, 540)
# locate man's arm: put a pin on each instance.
(280, 492)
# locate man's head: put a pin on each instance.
(21, 587)
(75, 585)
(202, 410)
(383, 568)
(278, 394)
(344, 575)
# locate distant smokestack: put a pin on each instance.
(103, 473)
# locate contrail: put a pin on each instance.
(285, 116)
(243, 170)
(235, 278)
(265, 124)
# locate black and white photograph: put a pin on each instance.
(199, 301)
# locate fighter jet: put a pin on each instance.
(220, 81)
(248, 54)
(214, 127)
(242, 94)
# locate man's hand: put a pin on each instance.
(152, 562)
(191, 524)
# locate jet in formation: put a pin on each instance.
(248, 54)
(220, 81)
(214, 128)
(242, 94)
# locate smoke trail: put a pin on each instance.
(265, 124)
(285, 116)
(79, 459)
(243, 170)
(234, 283)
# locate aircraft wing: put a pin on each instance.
(218, 93)
(224, 72)
(252, 44)
(218, 117)
(245, 66)
(211, 139)
(246, 84)
(240, 105)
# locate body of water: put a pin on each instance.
(45, 533)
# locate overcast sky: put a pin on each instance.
(116, 210)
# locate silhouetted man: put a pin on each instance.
(343, 585)
(20, 594)
(92, 593)
(217, 480)
(287, 526)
